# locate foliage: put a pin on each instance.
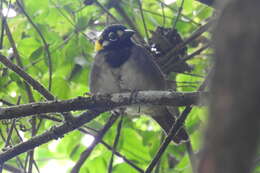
(68, 27)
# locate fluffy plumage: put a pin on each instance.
(122, 66)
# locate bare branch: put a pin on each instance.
(143, 19)
(53, 133)
(35, 84)
(188, 57)
(46, 46)
(182, 15)
(119, 127)
(85, 154)
(178, 14)
(178, 47)
(104, 101)
(12, 168)
(17, 58)
(175, 128)
(6, 102)
(116, 152)
(128, 20)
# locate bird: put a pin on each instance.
(121, 65)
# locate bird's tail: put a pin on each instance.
(166, 120)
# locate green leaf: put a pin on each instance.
(60, 87)
(133, 146)
(36, 54)
(125, 168)
(183, 164)
(82, 23)
(27, 46)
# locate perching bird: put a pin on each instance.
(120, 65)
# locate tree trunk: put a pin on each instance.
(234, 124)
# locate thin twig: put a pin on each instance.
(6, 102)
(163, 14)
(178, 15)
(166, 60)
(175, 128)
(118, 132)
(31, 153)
(106, 11)
(186, 58)
(2, 135)
(18, 160)
(10, 131)
(18, 134)
(197, 52)
(123, 157)
(27, 78)
(53, 133)
(157, 168)
(2, 26)
(46, 45)
(131, 24)
(85, 154)
(17, 58)
(58, 47)
(199, 31)
(158, 14)
(68, 19)
(184, 16)
(143, 19)
(34, 83)
(82, 130)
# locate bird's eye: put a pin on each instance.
(112, 36)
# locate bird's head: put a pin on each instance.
(114, 37)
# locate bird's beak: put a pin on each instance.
(128, 33)
(98, 46)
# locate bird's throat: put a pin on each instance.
(117, 57)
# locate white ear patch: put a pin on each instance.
(120, 33)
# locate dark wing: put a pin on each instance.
(161, 115)
(148, 67)
(166, 120)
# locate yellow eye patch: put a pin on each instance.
(98, 46)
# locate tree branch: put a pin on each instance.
(167, 59)
(105, 101)
(35, 84)
(118, 133)
(85, 154)
(12, 168)
(233, 133)
(46, 46)
(53, 133)
(175, 128)
(116, 152)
